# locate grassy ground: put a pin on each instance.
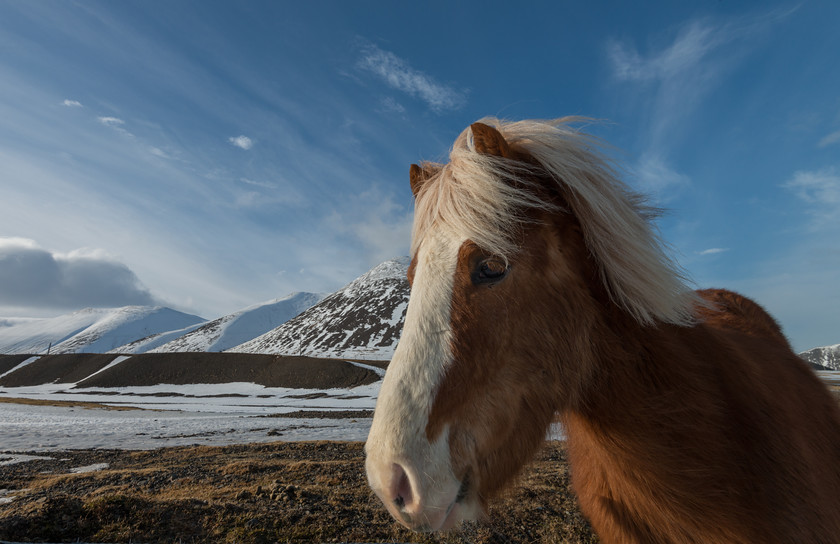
(281, 492)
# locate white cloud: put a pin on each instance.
(72, 104)
(713, 251)
(242, 142)
(111, 121)
(158, 152)
(820, 190)
(830, 139)
(32, 277)
(687, 50)
(399, 75)
(821, 187)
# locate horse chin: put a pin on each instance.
(448, 514)
(466, 510)
(459, 511)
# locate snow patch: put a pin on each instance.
(89, 468)
(15, 458)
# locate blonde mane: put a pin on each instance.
(484, 198)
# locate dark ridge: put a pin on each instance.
(186, 368)
(68, 368)
(8, 362)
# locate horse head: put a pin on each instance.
(508, 287)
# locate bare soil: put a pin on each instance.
(261, 493)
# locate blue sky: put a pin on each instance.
(211, 155)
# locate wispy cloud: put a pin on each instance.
(713, 251)
(819, 189)
(263, 184)
(268, 193)
(116, 124)
(111, 121)
(657, 178)
(158, 152)
(830, 139)
(72, 104)
(399, 75)
(374, 219)
(675, 77)
(242, 142)
(392, 106)
(671, 82)
(683, 55)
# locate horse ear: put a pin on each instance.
(417, 176)
(490, 141)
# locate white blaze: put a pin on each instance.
(398, 432)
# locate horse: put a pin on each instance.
(540, 288)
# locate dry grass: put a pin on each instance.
(282, 492)
(66, 403)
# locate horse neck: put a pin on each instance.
(689, 431)
(621, 434)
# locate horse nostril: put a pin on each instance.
(401, 492)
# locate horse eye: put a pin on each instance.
(489, 271)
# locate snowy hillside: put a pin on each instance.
(242, 326)
(828, 356)
(91, 330)
(363, 320)
(153, 341)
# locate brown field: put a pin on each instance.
(280, 492)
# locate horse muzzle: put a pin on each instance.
(420, 503)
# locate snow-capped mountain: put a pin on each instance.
(93, 330)
(363, 320)
(242, 326)
(828, 356)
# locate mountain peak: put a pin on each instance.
(362, 320)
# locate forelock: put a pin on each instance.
(482, 198)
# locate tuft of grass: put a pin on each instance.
(66, 403)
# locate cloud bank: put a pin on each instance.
(33, 277)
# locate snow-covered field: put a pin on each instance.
(179, 415)
(175, 415)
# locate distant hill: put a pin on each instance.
(227, 331)
(93, 330)
(363, 320)
(828, 356)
